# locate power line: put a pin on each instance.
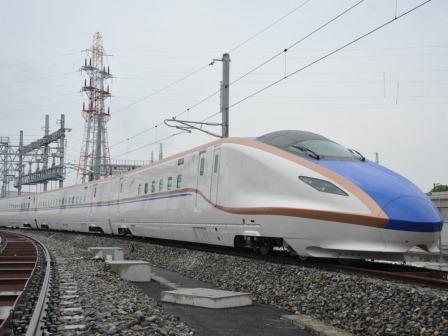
(297, 71)
(268, 27)
(163, 88)
(150, 144)
(44, 88)
(40, 59)
(297, 42)
(37, 107)
(38, 78)
(39, 98)
(329, 54)
(238, 46)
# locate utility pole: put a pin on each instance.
(62, 150)
(4, 142)
(225, 95)
(45, 156)
(189, 125)
(20, 168)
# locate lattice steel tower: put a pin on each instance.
(95, 155)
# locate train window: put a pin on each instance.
(169, 183)
(202, 166)
(215, 165)
(139, 189)
(161, 185)
(153, 186)
(180, 162)
(179, 181)
(146, 187)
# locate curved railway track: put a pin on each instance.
(391, 271)
(25, 273)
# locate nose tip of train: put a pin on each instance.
(413, 213)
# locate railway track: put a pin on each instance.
(391, 271)
(25, 274)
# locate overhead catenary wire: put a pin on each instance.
(239, 45)
(283, 51)
(300, 69)
(329, 54)
(259, 66)
(163, 88)
(150, 144)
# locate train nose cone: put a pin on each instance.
(412, 213)
(408, 208)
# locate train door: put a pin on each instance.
(214, 176)
(203, 178)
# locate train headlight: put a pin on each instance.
(322, 185)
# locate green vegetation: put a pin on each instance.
(439, 187)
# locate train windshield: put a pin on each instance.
(307, 144)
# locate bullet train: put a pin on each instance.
(290, 190)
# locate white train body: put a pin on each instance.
(236, 191)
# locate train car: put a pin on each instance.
(294, 190)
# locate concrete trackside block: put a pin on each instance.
(132, 270)
(206, 297)
(107, 253)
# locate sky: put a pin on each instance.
(387, 93)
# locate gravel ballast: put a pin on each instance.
(110, 305)
(361, 305)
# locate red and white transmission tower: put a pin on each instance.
(94, 158)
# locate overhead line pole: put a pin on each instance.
(225, 95)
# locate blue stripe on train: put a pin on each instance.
(407, 207)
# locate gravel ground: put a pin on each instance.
(110, 305)
(361, 305)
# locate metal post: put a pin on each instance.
(152, 156)
(225, 95)
(377, 157)
(61, 149)
(46, 149)
(5, 143)
(160, 152)
(19, 187)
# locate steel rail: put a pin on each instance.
(401, 272)
(36, 323)
(35, 327)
